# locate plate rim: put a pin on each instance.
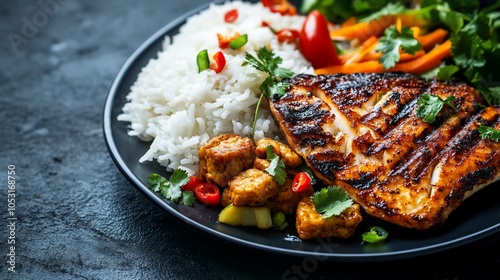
(126, 171)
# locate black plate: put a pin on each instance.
(477, 217)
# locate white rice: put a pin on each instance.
(181, 109)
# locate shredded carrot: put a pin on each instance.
(362, 30)
(402, 56)
(426, 62)
(419, 65)
(429, 40)
(348, 22)
(399, 24)
(358, 55)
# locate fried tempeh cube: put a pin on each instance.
(252, 187)
(289, 157)
(224, 156)
(286, 200)
(310, 224)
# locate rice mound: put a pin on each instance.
(180, 109)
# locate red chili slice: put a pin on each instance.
(224, 40)
(288, 35)
(231, 16)
(220, 62)
(208, 193)
(280, 6)
(192, 184)
(301, 182)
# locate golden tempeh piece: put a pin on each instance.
(224, 156)
(310, 224)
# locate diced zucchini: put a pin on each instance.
(246, 216)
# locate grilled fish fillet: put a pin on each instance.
(361, 132)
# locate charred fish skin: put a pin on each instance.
(361, 132)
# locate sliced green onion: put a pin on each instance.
(202, 60)
(238, 42)
(375, 234)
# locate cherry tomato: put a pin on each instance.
(192, 184)
(231, 16)
(220, 62)
(315, 43)
(287, 35)
(301, 182)
(208, 193)
(280, 6)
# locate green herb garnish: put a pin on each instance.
(487, 132)
(393, 41)
(331, 201)
(267, 62)
(171, 189)
(429, 105)
(375, 234)
(276, 167)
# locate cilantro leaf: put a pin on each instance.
(169, 189)
(179, 178)
(187, 198)
(331, 201)
(446, 72)
(391, 43)
(155, 181)
(429, 105)
(276, 167)
(389, 9)
(487, 132)
(267, 62)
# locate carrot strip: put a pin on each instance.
(402, 56)
(362, 30)
(420, 65)
(348, 22)
(368, 45)
(427, 62)
(428, 41)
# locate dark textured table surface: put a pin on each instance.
(77, 215)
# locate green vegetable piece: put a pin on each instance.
(172, 189)
(487, 132)
(267, 62)
(202, 60)
(445, 73)
(246, 216)
(187, 198)
(375, 234)
(279, 220)
(238, 42)
(276, 167)
(393, 41)
(155, 181)
(331, 201)
(429, 105)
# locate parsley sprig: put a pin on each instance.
(391, 43)
(266, 61)
(487, 132)
(331, 201)
(429, 105)
(171, 189)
